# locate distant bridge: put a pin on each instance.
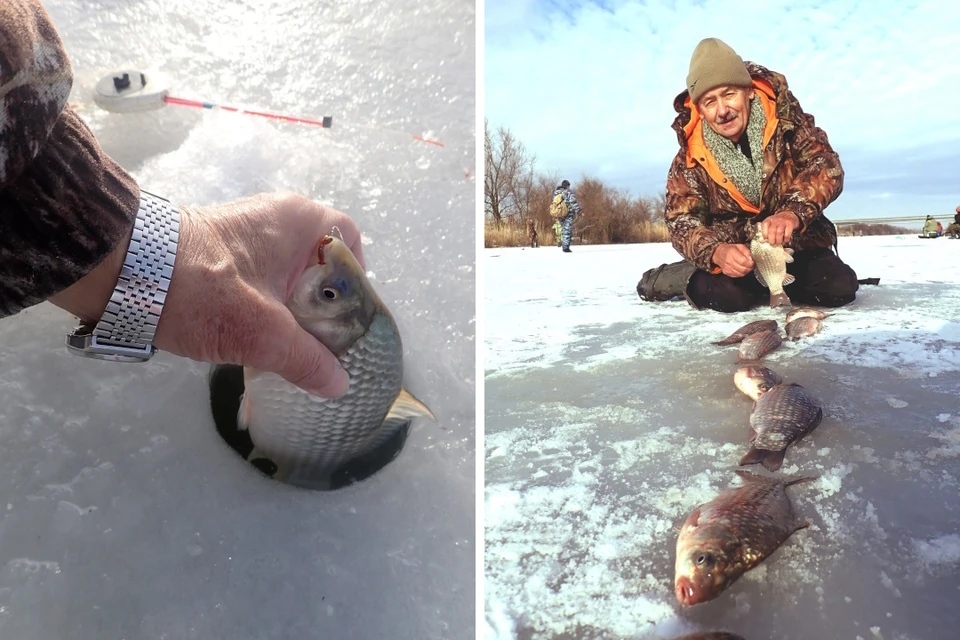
(943, 219)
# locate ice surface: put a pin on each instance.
(609, 419)
(126, 515)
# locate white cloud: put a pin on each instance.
(589, 88)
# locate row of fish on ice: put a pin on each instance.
(733, 533)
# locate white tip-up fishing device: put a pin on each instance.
(132, 91)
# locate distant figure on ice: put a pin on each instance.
(557, 231)
(953, 229)
(930, 228)
(742, 133)
(564, 210)
(532, 232)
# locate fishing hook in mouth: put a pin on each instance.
(324, 242)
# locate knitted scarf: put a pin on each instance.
(745, 176)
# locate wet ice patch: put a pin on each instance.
(938, 552)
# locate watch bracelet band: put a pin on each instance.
(127, 327)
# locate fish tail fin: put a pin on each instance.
(779, 300)
(788, 482)
(750, 476)
(405, 408)
(756, 478)
(771, 460)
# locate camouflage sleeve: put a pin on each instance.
(64, 204)
(572, 205)
(819, 178)
(684, 214)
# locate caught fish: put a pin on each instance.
(759, 344)
(805, 312)
(781, 416)
(771, 267)
(748, 329)
(802, 327)
(733, 533)
(755, 380)
(308, 438)
(710, 635)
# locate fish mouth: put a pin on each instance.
(686, 593)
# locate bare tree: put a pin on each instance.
(508, 175)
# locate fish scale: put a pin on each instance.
(757, 345)
(802, 327)
(781, 416)
(307, 436)
(748, 329)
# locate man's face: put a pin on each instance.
(726, 109)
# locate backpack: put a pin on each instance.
(558, 208)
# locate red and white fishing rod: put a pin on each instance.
(129, 91)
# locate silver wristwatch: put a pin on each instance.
(126, 328)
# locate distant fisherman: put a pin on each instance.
(573, 210)
(953, 229)
(748, 153)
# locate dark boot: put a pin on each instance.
(666, 282)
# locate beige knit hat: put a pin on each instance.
(714, 64)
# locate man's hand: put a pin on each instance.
(778, 228)
(734, 260)
(236, 266)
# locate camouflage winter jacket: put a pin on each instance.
(64, 205)
(801, 174)
(573, 207)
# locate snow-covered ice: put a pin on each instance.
(122, 512)
(608, 419)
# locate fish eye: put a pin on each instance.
(704, 558)
(330, 293)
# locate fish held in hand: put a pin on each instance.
(733, 533)
(757, 345)
(781, 416)
(771, 267)
(754, 380)
(802, 327)
(308, 439)
(805, 312)
(748, 329)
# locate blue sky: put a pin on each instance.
(588, 87)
